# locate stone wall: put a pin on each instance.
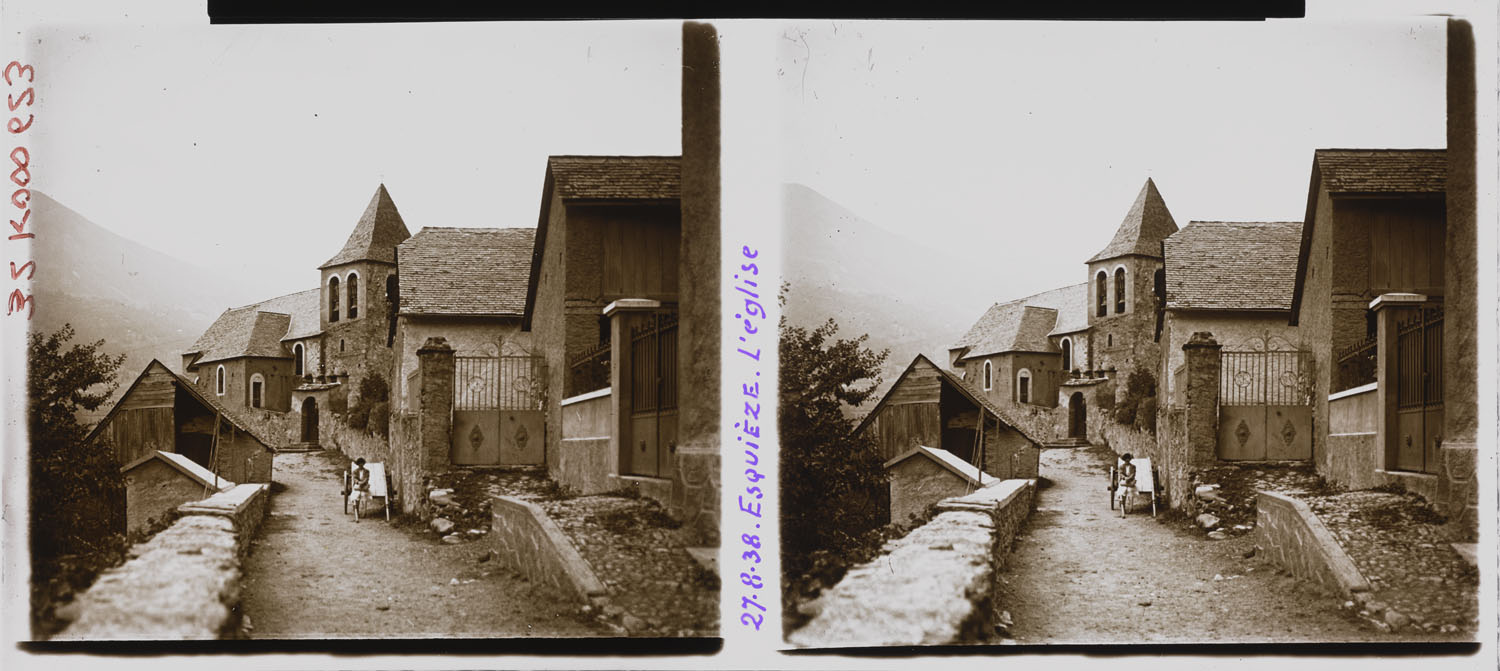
(936, 586)
(585, 457)
(281, 428)
(918, 482)
(1458, 489)
(527, 541)
(153, 491)
(182, 583)
(1352, 455)
(1289, 535)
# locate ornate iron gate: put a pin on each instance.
(653, 396)
(497, 410)
(1419, 390)
(1265, 405)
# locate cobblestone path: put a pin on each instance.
(1081, 574)
(315, 573)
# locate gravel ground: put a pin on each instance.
(1418, 582)
(1081, 574)
(655, 588)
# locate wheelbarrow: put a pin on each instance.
(1145, 485)
(379, 489)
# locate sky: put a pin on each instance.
(1023, 145)
(256, 148)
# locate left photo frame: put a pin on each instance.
(365, 336)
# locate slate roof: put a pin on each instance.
(969, 472)
(187, 466)
(376, 235)
(1232, 265)
(1383, 170)
(1024, 324)
(616, 177)
(465, 271)
(240, 332)
(1146, 224)
(305, 309)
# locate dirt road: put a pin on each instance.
(1081, 574)
(315, 573)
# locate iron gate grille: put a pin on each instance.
(497, 383)
(1419, 360)
(1265, 378)
(653, 355)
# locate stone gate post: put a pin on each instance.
(435, 403)
(1201, 394)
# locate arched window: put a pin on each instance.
(1067, 349)
(1120, 290)
(1023, 386)
(333, 298)
(353, 289)
(297, 355)
(1101, 294)
(219, 381)
(257, 390)
(988, 376)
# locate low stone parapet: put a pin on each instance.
(1289, 535)
(935, 586)
(529, 542)
(182, 583)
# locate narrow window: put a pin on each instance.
(1067, 348)
(988, 376)
(1119, 290)
(257, 383)
(1101, 294)
(1023, 386)
(219, 381)
(353, 289)
(333, 299)
(297, 353)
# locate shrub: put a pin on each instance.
(358, 417)
(338, 404)
(1145, 415)
(380, 418)
(1139, 387)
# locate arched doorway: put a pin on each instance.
(1077, 416)
(309, 420)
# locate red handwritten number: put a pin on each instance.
(27, 70)
(15, 273)
(19, 300)
(28, 96)
(23, 166)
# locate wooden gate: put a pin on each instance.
(497, 410)
(653, 396)
(1265, 405)
(1419, 391)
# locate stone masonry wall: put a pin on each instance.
(528, 541)
(182, 583)
(936, 586)
(1289, 535)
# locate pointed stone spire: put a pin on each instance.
(1146, 224)
(376, 235)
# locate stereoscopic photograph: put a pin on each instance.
(1130, 333)
(371, 331)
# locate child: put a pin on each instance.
(1127, 481)
(362, 485)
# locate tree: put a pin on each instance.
(833, 482)
(76, 491)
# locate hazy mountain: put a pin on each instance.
(141, 302)
(905, 292)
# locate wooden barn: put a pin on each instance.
(932, 407)
(162, 411)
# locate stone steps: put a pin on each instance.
(301, 447)
(1067, 443)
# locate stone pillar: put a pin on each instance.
(624, 315)
(1201, 391)
(435, 404)
(1389, 309)
(1458, 488)
(695, 484)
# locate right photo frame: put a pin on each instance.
(1130, 333)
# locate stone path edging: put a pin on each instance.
(1275, 537)
(528, 541)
